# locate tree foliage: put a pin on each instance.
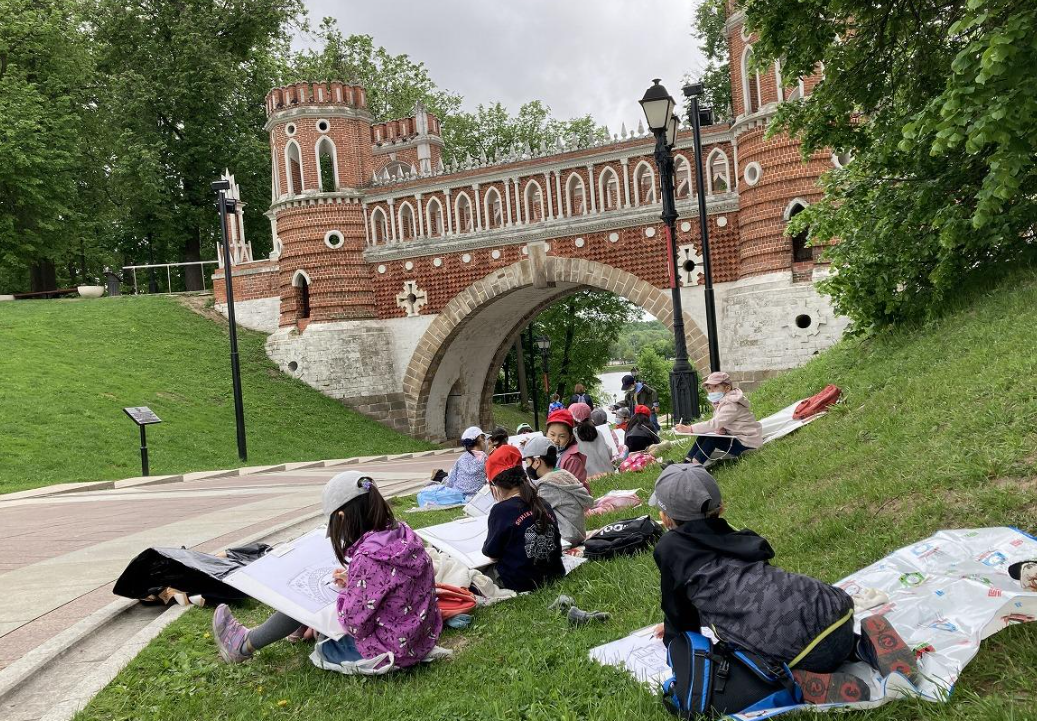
(937, 102)
(708, 26)
(654, 370)
(640, 334)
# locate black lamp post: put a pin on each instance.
(694, 91)
(658, 107)
(226, 206)
(532, 375)
(544, 344)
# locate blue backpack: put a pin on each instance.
(717, 679)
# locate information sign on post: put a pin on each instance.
(143, 417)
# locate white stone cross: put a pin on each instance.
(412, 299)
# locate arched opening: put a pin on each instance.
(575, 195)
(434, 219)
(493, 209)
(327, 170)
(719, 173)
(379, 227)
(457, 360)
(408, 224)
(293, 167)
(801, 250)
(463, 213)
(301, 283)
(644, 184)
(751, 98)
(682, 173)
(534, 202)
(608, 189)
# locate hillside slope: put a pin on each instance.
(67, 368)
(937, 431)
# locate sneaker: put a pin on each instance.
(563, 603)
(838, 687)
(885, 649)
(230, 635)
(578, 617)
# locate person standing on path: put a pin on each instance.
(642, 394)
(580, 395)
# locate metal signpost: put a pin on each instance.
(143, 417)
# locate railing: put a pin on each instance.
(503, 397)
(169, 274)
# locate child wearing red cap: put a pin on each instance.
(559, 431)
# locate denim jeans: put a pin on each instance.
(704, 446)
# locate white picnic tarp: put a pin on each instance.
(946, 594)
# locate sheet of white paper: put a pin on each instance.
(463, 539)
(295, 579)
(571, 563)
(519, 441)
(481, 503)
(606, 431)
(640, 653)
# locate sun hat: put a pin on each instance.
(627, 382)
(561, 415)
(642, 409)
(341, 489)
(502, 459)
(717, 378)
(686, 492)
(471, 433)
(580, 411)
(537, 447)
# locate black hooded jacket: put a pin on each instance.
(714, 576)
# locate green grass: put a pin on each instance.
(510, 416)
(69, 367)
(937, 431)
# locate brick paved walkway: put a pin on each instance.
(60, 554)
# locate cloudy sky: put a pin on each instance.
(578, 56)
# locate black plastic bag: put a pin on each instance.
(192, 572)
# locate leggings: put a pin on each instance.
(705, 445)
(281, 625)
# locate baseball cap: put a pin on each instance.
(523, 428)
(716, 378)
(471, 433)
(1016, 569)
(622, 412)
(643, 410)
(343, 488)
(562, 415)
(502, 459)
(580, 411)
(536, 447)
(686, 492)
(628, 381)
(599, 417)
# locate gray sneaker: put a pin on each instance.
(230, 635)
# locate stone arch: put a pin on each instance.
(455, 347)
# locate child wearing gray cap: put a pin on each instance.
(714, 576)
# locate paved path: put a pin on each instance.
(60, 554)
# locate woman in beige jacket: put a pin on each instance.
(732, 417)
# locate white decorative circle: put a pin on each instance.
(381, 269)
(685, 226)
(753, 173)
(495, 255)
(289, 129)
(525, 250)
(649, 232)
(741, 31)
(466, 258)
(334, 239)
(613, 237)
(722, 221)
(438, 262)
(408, 265)
(841, 160)
(323, 126)
(547, 247)
(580, 242)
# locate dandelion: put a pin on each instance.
(283, 702)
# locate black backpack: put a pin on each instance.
(622, 538)
(714, 679)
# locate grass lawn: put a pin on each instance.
(510, 416)
(938, 430)
(68, 367)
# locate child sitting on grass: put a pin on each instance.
(559, 488)
(714, 576)
(522, 538)
(387, 602)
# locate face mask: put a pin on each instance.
(531, 472)
(715, 396)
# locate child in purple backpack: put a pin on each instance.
(387, 598)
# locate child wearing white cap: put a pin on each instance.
(469, 472)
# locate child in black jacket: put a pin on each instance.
(714, 576)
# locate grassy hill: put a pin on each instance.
(67, 368)
(937, 431)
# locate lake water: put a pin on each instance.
(611, 386)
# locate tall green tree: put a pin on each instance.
(185, 84)
(45, 73)
(708, 27)
(936, 103)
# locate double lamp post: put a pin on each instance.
(658, 107)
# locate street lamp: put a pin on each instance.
(658, 106)
(544, 344)
(694, 91)
(226, 206)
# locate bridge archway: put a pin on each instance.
(455, 363)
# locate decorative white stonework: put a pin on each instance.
(613, 237)
(323, 126)
(689, 264)
(841, 160)
(580, 242)
(438, 262)
(289, 129)
(525, 250)
(722, 221)
(649, 232)
(412, 299)
(753, 173)
(495, 255)
(408, 265)
(466, 258)
(334, 239)
(685, 226)
(381, 269)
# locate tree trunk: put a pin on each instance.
(520, 362)
(570, 332)
(193, 253)
(43, 276)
